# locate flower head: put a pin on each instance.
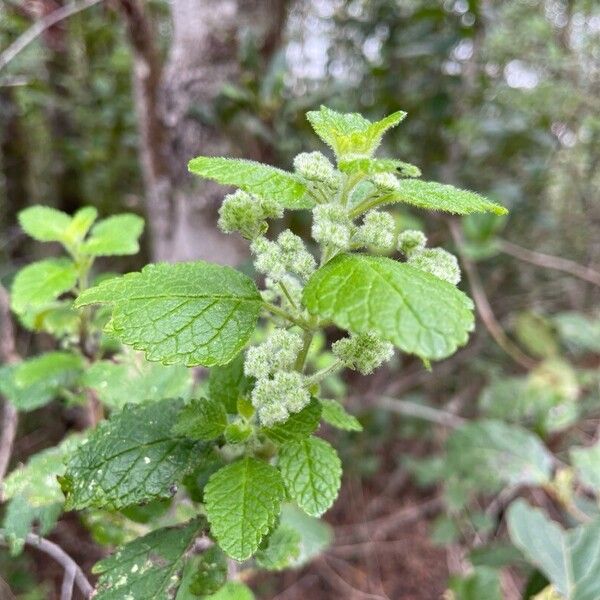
(275, 399)
(438, 262)
(411, 240)
(247, 214)
(332, 225)
(363, 352)
(277, 353)
(377, 229)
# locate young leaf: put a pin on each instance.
(297, 427)
(149, 567)
(438, 196)
(335, 414)
(115, 236)
(491, 454)
(80, 224)
(414, 310)
(131, 458)
(44, 224)
(227, 383)
(570, 559)
(193, 313)
(282, 549)
(370, 166)
(312, 472)
(243, 500)
(42, 282)
(255, 178)
(350, 135)
(203, 419)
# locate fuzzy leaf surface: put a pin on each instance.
(370, 166)
(298, 425)
(242, 501)
(337, 416)
(42, 282)
(149, 568)
(115, 236)
(44, 223)
(131, 458)
(203, 419)
(255, 178)
(192, 313)
(312, 473)
(414, 310)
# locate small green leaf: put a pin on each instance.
(335, 414)
(350, 135)
(282, 549)
(587, 463)
(482, 584)
(414, 310)
(228, 382)
(370, 166)
(255, 178)
(438, 196)
(203, 419)
(569, 559)
(115, 236)
(312, 473)
(193, 313)
(210, 572)
(232, 590)
(149, 567)
(42, 282)
(80, 224)
(243, 500)
(130, 458)
(237, 433)
(297, 427)
(44, 224)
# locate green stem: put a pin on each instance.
(320, 375)
(285, 315)
(306, 342)
(368, 203)
(286, 293)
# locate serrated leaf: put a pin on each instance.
(42, 282)
(414, 310)
(115, 236)
(438, 196)
(587, 463)
(255, 178)
(335, 414)
(203, 419)
(316, 535)
(298, 425)
(490, 454)
(370, 166)
(570, 559)
(131, 458)
(148, 568)
(191, 313)
(136, 382)
(312, 474)
(282, 549)
(228, 382)
(44, 224)
(350, 135)
(242, 501)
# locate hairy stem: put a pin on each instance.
(280, 312)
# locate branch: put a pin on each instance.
(483, 305)
(62, 558)
(548, 261)
(40, 26)
(420, 411)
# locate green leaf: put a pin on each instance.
(136, 381)
(298, 426)
(42, 282)
(370, 166)
(482, 584)
(193, 313)
(490, 454)
(578, 332)
(203, 419)
(570, 559)
(587, 463)
(282, 549)
(438, 196)
(210, 572)
(228, 383)
(232, 590)
(335, 414)
(80, 224)
(312, 473)
(255, 178)
(350, 135)
(115, 236)
(44, 224)
(242, 501)
(414, 310)
(130, 458)
(148, 568)
(316, 535)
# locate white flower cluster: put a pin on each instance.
(437, 261)
(332, 225)
(247, 214)
(316, 167)
(287, 255)
(363, 352)
(377, 229)
(277, 353)
(386, 181)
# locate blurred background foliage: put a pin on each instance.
(503, 97)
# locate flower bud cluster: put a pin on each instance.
(363, 352)
(316, 167)
(275, 399)
(277, 353)
(247, 214)
(377, 229)
(287, 255)
(332, 226)
(438, 262)
(387, 182)
(411, 241)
